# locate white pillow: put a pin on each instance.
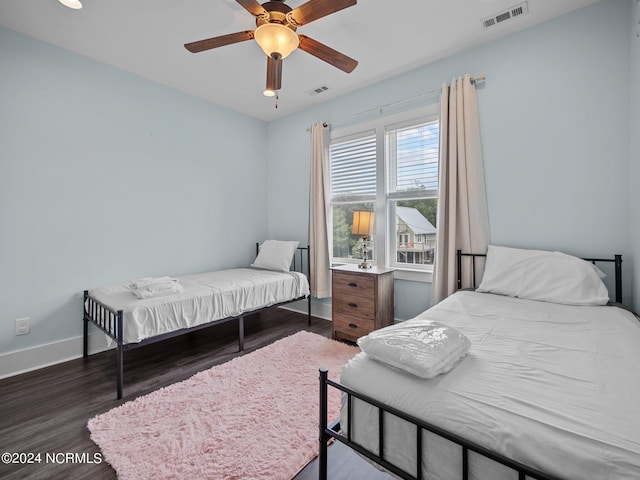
(546, 276)
(420, 347)
(275, 255)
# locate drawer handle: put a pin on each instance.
(353, 305)
(353, 325)
(353, 284)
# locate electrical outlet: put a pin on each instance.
(22, 326)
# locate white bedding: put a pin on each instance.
(553, 386)
(205, 297)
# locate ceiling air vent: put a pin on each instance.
(505, 15)
(318, 90)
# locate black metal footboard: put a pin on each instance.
(110, 322)
(329, 431)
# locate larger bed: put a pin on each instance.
(547, 390)
(203, 300)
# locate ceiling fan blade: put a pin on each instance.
(253, 7)
(315, 9)
(327, 54)
(274, 73)
(221, 41)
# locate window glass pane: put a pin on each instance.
(353, 167)
(345, 243)
(415, 236)
(413, 153)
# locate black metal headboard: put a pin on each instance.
(301, 260)
(617, 260)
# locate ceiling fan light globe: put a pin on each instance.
(275, 38)
(75, 4)
(269, 93)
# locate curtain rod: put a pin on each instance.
(478, 78)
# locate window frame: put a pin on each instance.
(383, 246)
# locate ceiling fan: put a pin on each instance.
(276, 25)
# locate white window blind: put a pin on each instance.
(413, 156)
(353, 167)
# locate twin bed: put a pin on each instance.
(548, 389)
(279, 275)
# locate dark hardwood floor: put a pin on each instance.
(46, 411)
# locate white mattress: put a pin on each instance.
(555, 387)
(206, 297)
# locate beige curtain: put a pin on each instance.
(463, 221)
(318, 238)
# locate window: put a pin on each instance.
(390, 167)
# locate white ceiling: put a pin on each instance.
(146, 38)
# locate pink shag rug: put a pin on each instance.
(254, 417)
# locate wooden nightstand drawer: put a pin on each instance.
(351, 328)
(362, 300)
(360, 306)
(345, 284)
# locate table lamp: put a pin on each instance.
(362, 222)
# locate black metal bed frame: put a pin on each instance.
(333, 431)
(616, 260)
(110, 321)
(328, 431)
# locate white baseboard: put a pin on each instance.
(34, 358)
(29, 359)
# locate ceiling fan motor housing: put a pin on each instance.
(277, 14)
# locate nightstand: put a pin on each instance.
(362, 300)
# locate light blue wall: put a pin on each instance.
(634, 176)
(106, 177)
(554, 119)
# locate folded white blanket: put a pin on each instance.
(421, 347)
(146, 281)
(158, 289)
